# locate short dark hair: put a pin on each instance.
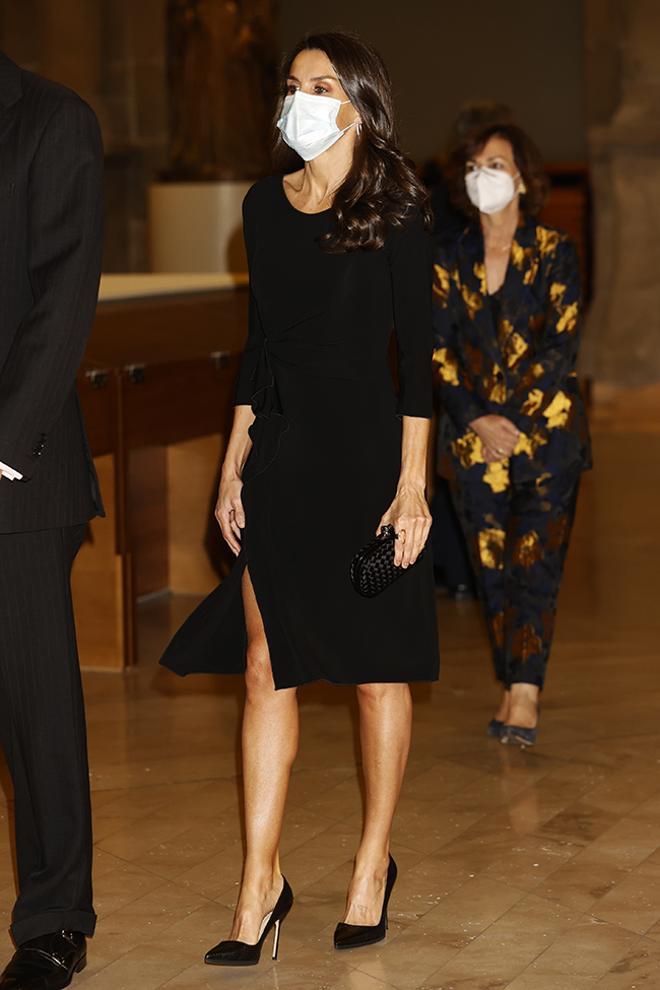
(526, 156)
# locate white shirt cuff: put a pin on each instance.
(8, 472)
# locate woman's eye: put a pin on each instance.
(318, 89)
(290, 89)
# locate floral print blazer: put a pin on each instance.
(516, 360)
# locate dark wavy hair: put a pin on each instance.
(381, 187)
(526, 156)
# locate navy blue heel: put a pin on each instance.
(518, 735)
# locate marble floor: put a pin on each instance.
(525, 870)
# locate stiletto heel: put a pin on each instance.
(276, 939)
(231, 952)
(356, 936)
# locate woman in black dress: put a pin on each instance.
(323, 452)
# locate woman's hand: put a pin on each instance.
(498, 435)
(229, 511)
(410, 516)
(490, 457)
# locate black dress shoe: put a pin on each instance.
(356, 936)
(48, 962)
(231, 952)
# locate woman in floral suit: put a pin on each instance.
(507, 320)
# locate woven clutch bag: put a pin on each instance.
(373, 568)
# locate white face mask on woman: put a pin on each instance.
(489, 189)
(309, 123)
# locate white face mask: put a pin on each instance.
(490, 189)
(309, 123)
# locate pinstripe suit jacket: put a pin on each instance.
(51, 166)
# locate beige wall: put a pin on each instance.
(441, 53)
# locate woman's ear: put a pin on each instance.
(522, 188)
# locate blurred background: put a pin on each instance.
(185, 92)
(559, 66)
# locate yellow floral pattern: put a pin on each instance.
(446, 364)
(567, 322)
(496, 476)
(491, 547)
(515, 346)
(441, 283)
(480, 274)
(527, 550)
(547, 240)
(557, 412)
(473, 300)
(520, 365)
(514, 357)
(532, 403)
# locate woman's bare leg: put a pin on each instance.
(502, 713)
(270, 743)
(385, 729)
(524, 707)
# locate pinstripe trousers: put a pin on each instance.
(42, 733)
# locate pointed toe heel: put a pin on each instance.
(231, 952)
(357, 936)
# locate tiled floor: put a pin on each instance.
(535, 870)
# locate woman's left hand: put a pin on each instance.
(491, 456)
(410, 516)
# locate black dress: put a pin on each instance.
(326, 454)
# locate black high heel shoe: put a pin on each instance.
(355, 936)
(234, 953)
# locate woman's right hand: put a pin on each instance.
(229, 511)
(498, 435)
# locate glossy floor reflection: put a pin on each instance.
(526, 870)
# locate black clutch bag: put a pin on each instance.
(373, 568)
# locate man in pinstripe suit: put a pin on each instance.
(51, 164)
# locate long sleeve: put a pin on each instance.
(548, 366)
(65, 247)
(254, 343)
(410, 264)
(250, 357)
(456, 394)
